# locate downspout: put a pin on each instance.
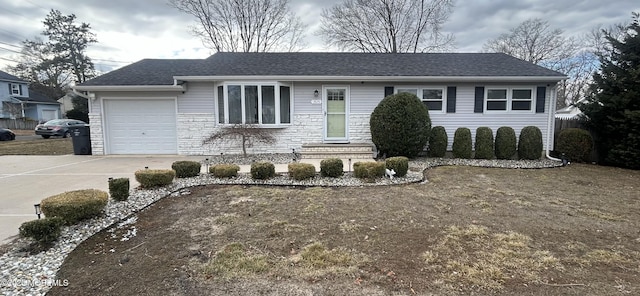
(551, 122)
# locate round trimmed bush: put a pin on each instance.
(224, 170)
(484, 143)
(301, 171)
(400, 125)
(398, 164)
(44, 231)
(505, 143)
(154, 178)
(262, 170)
(186, 168)
(119, 188)
(438, 142)
(576, 144)
(530, 143)
(369, 169)
(462, 143)
(75, 206)
(331, 167)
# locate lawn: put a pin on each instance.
(52, 146)
(468, 230)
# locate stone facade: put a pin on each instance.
(306, 128)
(96, 134)
(194, 128)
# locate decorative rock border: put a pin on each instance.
(23, 274)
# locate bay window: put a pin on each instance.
(254, 103)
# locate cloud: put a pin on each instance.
(131, 30)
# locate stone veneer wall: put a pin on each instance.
(192, 129)
(95, 132)
(306, 128)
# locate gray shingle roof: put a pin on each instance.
(9, 77)
(161, 72)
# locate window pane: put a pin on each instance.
(497, 94)
(235, 103)
(433, 105)
(496, 105)
(251, 104)
(408, 90)
(268, 105)
(432, 94)
(285, 104)
(521, 105)
(335, 100)
(220, 104)
(521, 94)
(336, 126)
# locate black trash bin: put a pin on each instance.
(81, 140)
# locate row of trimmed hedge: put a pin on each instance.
(504, 145)
(333, 168)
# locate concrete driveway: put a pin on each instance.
(26, 180)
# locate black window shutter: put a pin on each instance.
(541, 94)
(451, 99)
(10, 90)
(479, 103)
(388, 90)
(21, 91)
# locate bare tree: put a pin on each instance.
(38, 65)
(247, 134)
(535, 41)
(245, 25)
(390, 26)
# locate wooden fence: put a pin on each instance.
(18, 124)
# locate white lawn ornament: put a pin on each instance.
(390, 173)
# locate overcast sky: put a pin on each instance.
(130, 30)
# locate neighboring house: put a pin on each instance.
(170, 106)
(18, 101)
(66, 104)
(570, 112)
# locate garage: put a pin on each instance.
(140, 126)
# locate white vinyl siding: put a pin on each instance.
(199, 98)
(465, 117)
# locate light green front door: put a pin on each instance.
(336, 113)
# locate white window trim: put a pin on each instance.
(276, 85)
(14, 87)
(509, 99)
(419, 89)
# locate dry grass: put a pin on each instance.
(37, 147)
(468, 231)
(472, 258)
(234, 260)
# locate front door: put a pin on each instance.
(336, 114)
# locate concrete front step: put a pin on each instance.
(344, 151)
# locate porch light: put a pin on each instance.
(349, 168)
(316, 93)
(206, 163)
(38, 212)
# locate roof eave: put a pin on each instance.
(377, 78)
(130, 87)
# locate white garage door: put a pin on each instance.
(141, 126)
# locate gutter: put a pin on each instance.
(95, 88)
(470, 79)
(551, 123)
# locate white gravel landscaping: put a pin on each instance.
(24, 274)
